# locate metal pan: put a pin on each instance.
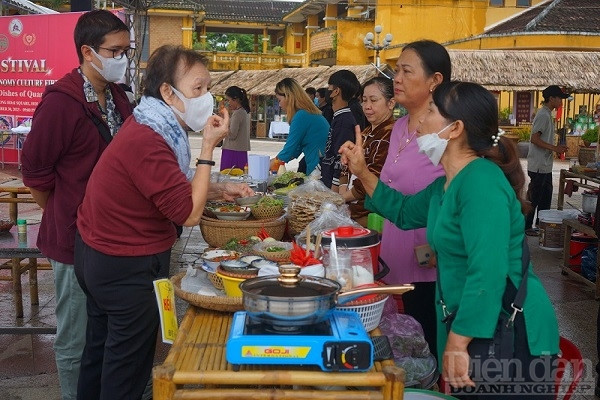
(293, 300)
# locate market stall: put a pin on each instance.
(289, 264)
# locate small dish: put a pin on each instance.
(250, 259)
(234, 265)
(228, 213)
(213, 258)
(250, 200)
(261, 263)
(232, 216)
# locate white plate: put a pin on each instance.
(232, 216)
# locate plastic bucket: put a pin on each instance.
(579, 241)
(551, 227)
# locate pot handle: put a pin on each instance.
(353, 294)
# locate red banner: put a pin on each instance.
(35, 51)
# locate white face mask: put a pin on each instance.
(112, 69)
(196, 110)
(433, 145)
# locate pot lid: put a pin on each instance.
(289, 284)
(350, 236)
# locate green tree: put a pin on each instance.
(228, 42)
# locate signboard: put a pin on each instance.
(35, 51)
(523, 106)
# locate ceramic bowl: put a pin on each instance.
(264, 263)
(250, 259)
(250, 200)
(213, 258)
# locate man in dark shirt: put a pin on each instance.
(72, 125)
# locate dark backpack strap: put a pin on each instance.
(102, 129)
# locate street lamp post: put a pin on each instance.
(377, 46)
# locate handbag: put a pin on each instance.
(501, 345)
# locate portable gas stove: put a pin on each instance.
(340, 343)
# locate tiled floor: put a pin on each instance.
(27, 369)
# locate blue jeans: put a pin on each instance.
(71, 320)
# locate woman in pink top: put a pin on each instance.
(421, 67)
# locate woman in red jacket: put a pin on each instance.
(141, 185)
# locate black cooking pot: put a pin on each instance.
(292, 300)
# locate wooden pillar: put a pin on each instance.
(265, 40)
(187, 24)
(330, 15)
(203, 37)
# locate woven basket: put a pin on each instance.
(217, 232)
(215, 280)
(266, 212)
(278, 256)
(217, 303)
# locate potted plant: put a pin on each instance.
(503, 116)
(590, 136)
(524, 135)
(586, 153)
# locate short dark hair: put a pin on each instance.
(434, 57)
(93, 26)
(385, 85)
(311, 91)
(347, 82)
(323, 93)
(163, 67)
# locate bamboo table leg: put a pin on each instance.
(13, 209)
(17, 289)
(561, 190)
(33, 282)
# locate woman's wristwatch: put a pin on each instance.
(204, 162)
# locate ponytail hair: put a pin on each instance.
(477, 108)
(236, 92)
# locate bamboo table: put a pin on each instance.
(195, 368)
(585, 181)
(17, 249)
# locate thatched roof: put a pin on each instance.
(304, 77)
(246, 79)
(508, 70)
(514, 70)
(262, 82)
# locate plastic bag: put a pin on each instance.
(405, 334)
(305, 203)
(588, 262)
(195, 281)
(330, 216)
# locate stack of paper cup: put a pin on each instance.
(258, 167)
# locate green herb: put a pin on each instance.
(273, 249)
(268, 201)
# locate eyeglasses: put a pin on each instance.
(118, 54)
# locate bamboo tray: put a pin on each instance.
(217, 303)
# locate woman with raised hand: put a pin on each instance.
(474, 217)
(141, 185)
(378, 106)
(421, 67)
